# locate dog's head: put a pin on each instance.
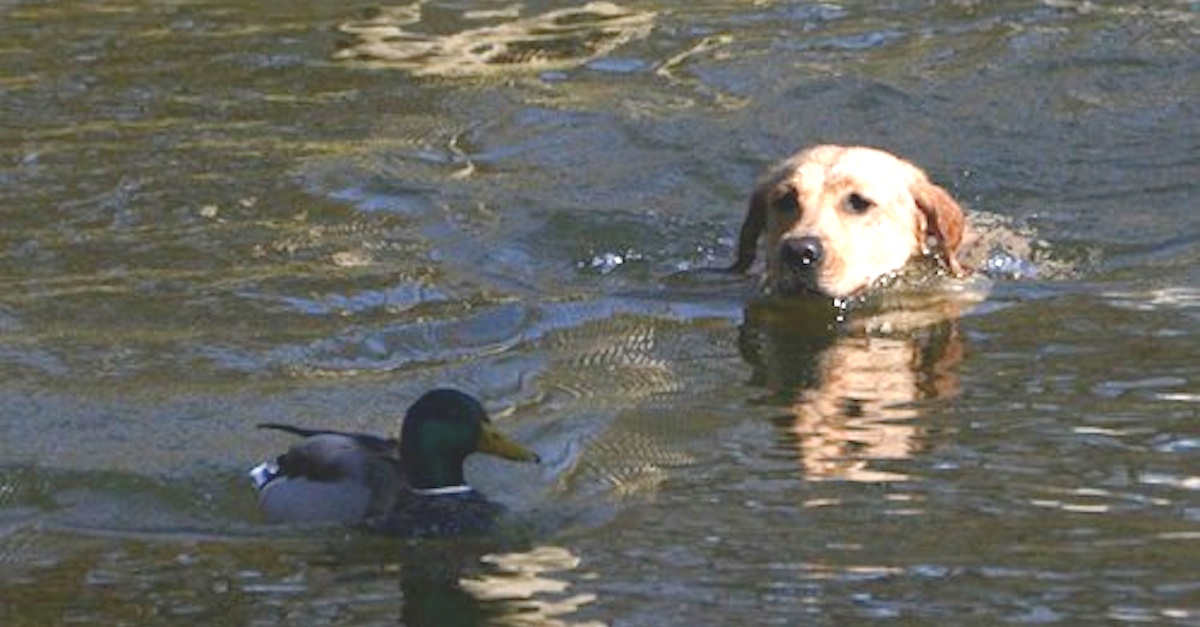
(839, 218)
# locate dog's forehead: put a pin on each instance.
(861, 169)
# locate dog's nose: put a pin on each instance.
(802, 251)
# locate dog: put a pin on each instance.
(838, 219)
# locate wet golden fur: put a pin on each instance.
(836, 219)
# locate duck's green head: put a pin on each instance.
(441, 429)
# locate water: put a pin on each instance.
(217, 215)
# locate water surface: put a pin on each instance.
(218, 215)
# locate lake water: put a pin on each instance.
(217, 214)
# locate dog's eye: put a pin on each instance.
(857, 203)
(789, 202)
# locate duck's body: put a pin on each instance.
(331, 477)
(410, 487)
(459, 513)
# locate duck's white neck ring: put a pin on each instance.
(442, 491)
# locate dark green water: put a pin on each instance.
(217, 214)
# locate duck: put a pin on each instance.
(410, 486)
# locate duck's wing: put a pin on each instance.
(332, 476)
(329, 455)
(369, 442)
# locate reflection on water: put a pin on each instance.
(854, 393)
(492, 40)
(441, 583)
(863, 409)
(56, 577)
(526, 582)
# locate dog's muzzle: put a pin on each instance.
(801, 253)
(799, 261)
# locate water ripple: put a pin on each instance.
(554, 40)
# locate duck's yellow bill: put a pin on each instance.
(495, 443)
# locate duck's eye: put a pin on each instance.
(857, 203)
(788, 202)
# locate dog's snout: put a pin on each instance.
(802, 252)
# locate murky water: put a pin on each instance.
(218, 214)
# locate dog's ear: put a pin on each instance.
(752, 228)
(944, 222)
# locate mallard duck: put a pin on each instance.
(412, 487)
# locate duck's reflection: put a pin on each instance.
(853, 391)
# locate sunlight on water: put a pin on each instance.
(528, 581)
(504, 42)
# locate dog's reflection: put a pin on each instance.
(854, 392)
